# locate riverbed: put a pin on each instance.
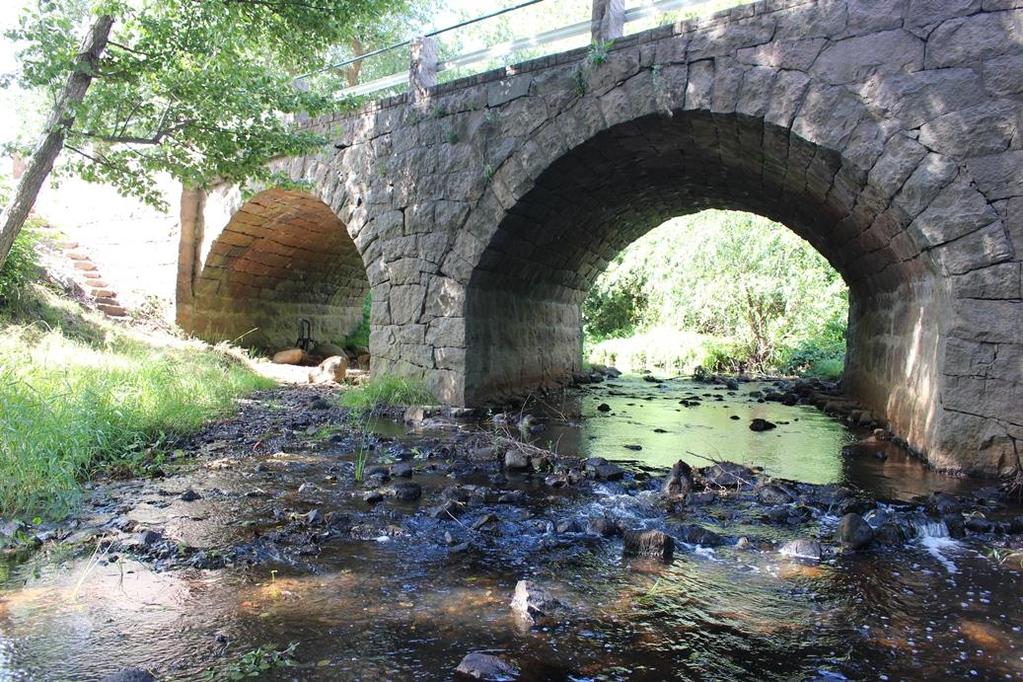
(261, 537)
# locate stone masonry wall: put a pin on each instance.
(886, 132)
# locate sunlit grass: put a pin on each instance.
(91, 398)
(385, 391)
(660, 348)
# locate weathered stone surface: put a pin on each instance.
(649, 543)
(480, 666)
(885, 132)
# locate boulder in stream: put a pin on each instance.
(854, 532)
(649, 543)
(680, 481)
(481, 666)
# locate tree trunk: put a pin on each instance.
(59, 122)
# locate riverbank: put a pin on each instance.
(83, 396)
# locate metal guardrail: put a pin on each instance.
(577, 30)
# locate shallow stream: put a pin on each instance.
(393, 598)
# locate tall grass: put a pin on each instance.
(385, 391)
(70, 408)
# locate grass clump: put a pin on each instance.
(79, 396)
(386, 391)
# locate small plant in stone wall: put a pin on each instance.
(580, 82)
(488, 172)
(451, 137)
(599, 50)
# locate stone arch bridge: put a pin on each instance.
(887, 133)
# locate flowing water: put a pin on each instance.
(396, 601)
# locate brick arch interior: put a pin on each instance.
(282, 257)
(523, 321)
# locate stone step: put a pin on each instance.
(112, 310)
(107, 300)
(94, 279)
(84, 265)
(77, 255)
(69, 245)
(97, 293)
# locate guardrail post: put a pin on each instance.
(608, 20)
(422, 73)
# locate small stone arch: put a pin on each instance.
(281, 256)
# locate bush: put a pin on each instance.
(21, 267)
(386, 391)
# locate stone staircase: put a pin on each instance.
(97, 288)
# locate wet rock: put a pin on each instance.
(702, 497)
(693, 534)
(735, 417)
(313, 518)
(955, 524)
(517, 497)
(775, 494)
(516, 460)
(633, 447)
(555, 481)
(790, 514)
(609, 472)
(940, 504)
(853, 532)
(447, 510)
(480, 666)
(130, 675)
(149, 538)
(731, 384)
(533, 604)
(190, 496)
(373, 497)
(803, 548)
(978, 524)
(680, 481)
(727, 475)
(407, 491)
(649, 543)
(484, 521)
(759, 424)
(378, 473)
(890, 534)
(568, 526)
(603, 407)
(603, 526)
(402, 470)
(743, 543)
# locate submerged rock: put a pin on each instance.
(407, 491)
(775, 494)
(693, 534)
(803, 548)
(854, 532)
(480, 666)
(649, 543)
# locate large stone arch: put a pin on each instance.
(275, 258)
(851, 133)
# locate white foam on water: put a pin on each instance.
(936, 546)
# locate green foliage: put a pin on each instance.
(200, 90)
(360, 337)
(384, 391)
(598, 52)
(21, 267)
(255, 662)
(89, 398)
(751, 288)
